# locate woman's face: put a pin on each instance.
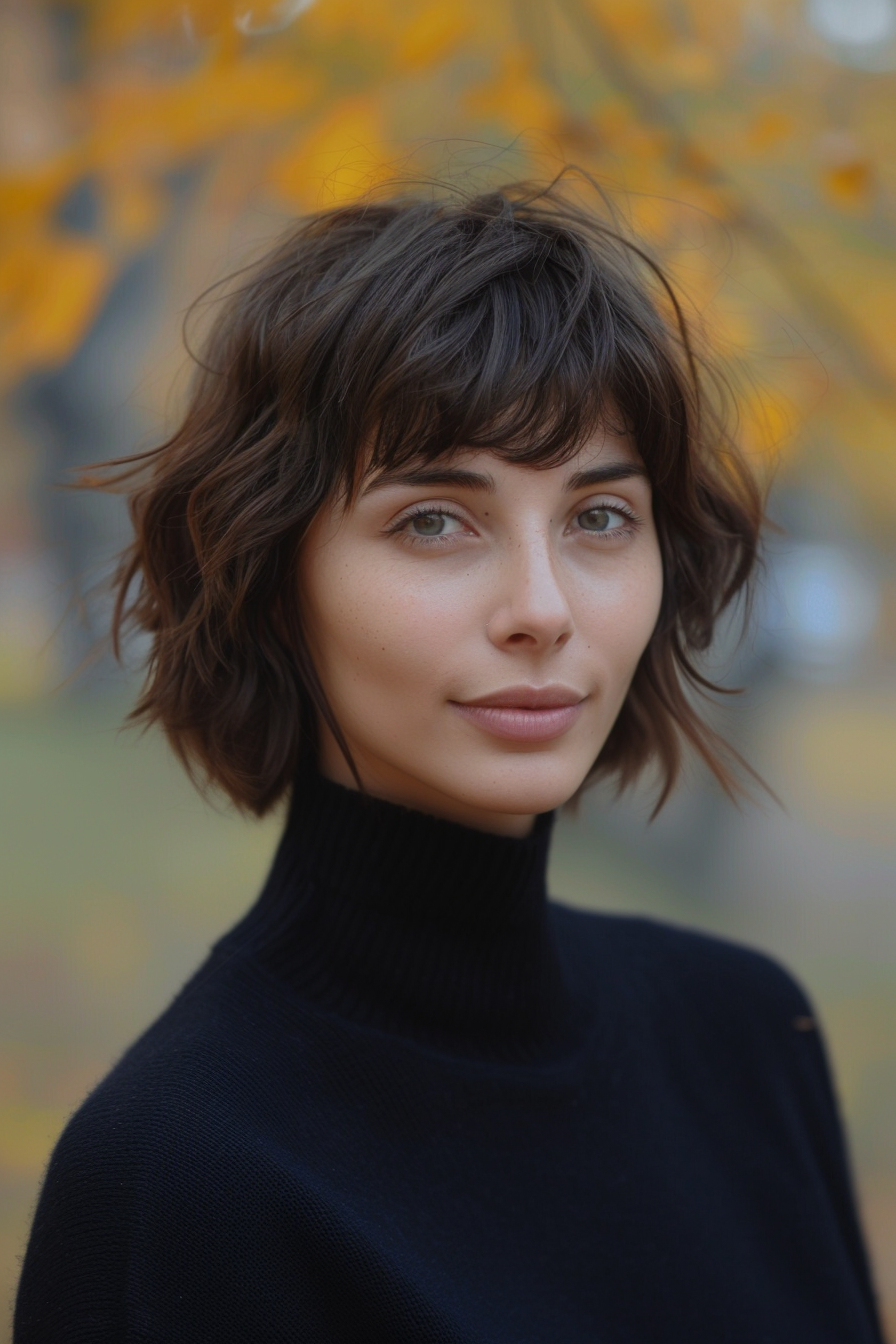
(475, 626)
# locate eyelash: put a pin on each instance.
(424, 511)
(623, 511)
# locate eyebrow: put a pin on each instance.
(425, 476)
(611, 471)
(475, 480)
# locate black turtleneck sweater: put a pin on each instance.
(410, 1100)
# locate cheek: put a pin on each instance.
(621, 616)
(371, 632)
(648, 599)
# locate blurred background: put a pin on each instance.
(150, 147)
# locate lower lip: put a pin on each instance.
(521, 725)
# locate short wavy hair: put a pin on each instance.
(409, 327)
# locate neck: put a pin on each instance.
(394, 788)
(414, 924)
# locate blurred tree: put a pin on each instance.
(752, 156)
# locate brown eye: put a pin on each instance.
(596, 520)
(428, 524)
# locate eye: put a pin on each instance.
(434, 524)
(603, 519)
(428, 525)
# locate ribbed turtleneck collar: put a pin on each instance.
(414, 924)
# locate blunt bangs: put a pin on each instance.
(500, 324)
(406, 330)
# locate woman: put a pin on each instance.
(447, 522)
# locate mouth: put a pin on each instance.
(524, 713)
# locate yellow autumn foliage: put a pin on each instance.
(515, 94)
(54, 285)
(338, 158)
(769, 128)
(691, 109)
(433, 32)
(164, 123)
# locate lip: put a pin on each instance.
(524, 713)
(527, 697)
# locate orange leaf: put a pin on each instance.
(134, 207)
(847, 175)
(849, 183)
(342, 156)
(766, 422)
(161, 123)
(113, 25)
(516, 98)
(50, 289)
(29, 194)
(769, 129)
(431, 34)
(691, 65)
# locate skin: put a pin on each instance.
(426, 594)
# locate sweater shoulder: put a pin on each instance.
(137, 1202)
(167, 1116)
(674, 964)
(183, 1078)
(705, 1007)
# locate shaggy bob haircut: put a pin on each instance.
(406, 328)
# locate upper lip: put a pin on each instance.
(529, 697)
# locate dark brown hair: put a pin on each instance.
(408, 327)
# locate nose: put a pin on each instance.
(532, 609)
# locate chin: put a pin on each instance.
(524, 788)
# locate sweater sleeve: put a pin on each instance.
(741, 1025)
(825, 1131)
(784, 1049)
(73, 1284)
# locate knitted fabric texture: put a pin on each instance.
(408, 1099)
